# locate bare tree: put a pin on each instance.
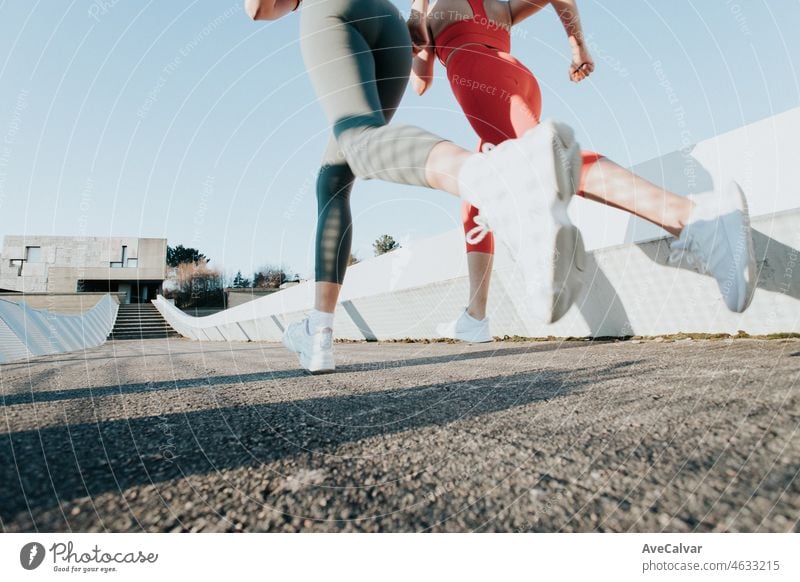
(270, 277)
(195, 284)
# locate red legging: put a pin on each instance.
(501, 100)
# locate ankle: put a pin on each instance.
(319, 320)
(476, 314)
(681, 217)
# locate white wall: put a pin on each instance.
(27, 332)
(761, 156)
(630, 289)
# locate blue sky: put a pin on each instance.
(185, 120)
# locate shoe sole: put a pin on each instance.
(570, 249)
(565, 245)
(326, 366)
(470, 339)
(318, 368)
(475, 340)
(568, 162)
(751, 262)
(571, 256)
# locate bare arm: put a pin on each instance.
(567, 11)
(269, 9)
(582, 64)
(422, 66)
(418, 25)
(422, 71)
(420, 5)
(522, 9)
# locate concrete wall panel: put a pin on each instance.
(630, 288)
(26, 332)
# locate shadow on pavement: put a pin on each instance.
(82, 356)
(600, 306)
(208, 381)
(41, 468)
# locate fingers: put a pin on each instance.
(579, 73)
(419, 36)
(419, 43)
(418, 47)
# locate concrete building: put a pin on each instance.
(67, 264)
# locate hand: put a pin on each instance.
(419, 84)
(418, 29)
(422, 72)
(582, 64)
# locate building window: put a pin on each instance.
(133, 263)
(33, 254)
(18, 264)
(124, 260)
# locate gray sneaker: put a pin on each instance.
(717, 240)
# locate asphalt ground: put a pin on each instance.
(173, 435)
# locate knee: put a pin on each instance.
(335, 181)
(354, 143)
(589, 160)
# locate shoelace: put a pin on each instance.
(477, 233)
(689, 250)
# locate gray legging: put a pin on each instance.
(358, 54)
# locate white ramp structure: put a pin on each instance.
(631, 289)
(27, 332)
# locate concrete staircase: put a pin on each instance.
(140, 321)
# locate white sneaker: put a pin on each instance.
(717, 240)
(523, 188)
(466, 329)
(314, 350)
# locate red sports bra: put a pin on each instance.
(476, 30)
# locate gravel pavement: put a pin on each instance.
(173, 435)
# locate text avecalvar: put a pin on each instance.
(671, 549)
